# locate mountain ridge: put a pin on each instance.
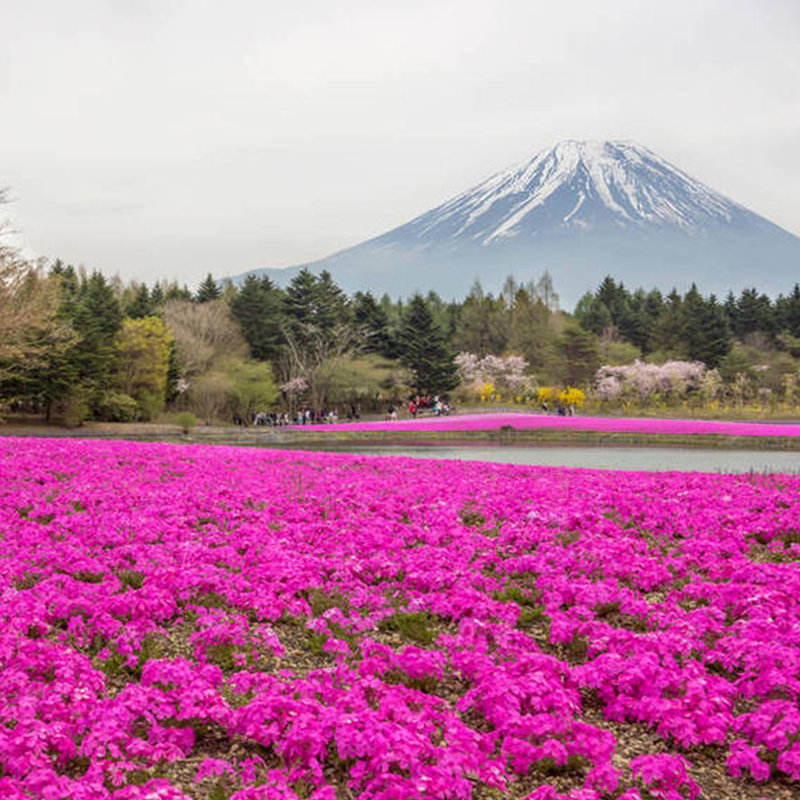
(581, 209)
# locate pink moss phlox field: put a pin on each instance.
(277, 625)
(489, 422)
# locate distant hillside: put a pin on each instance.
(581, 210)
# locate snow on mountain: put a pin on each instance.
(593, 182)
(582, 210)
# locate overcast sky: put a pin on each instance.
(167, 138)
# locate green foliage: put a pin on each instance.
(76, 368)
(76, 408)
(314, 305)
(251, 386)
(210, 395)
(34, 334)
(131, 579)
(97, 318)
(151, 404)
(208, 290)
(116, 407)
(373, 320)
(143, 349)
(142, 304)
(530, 609)
(471, 515)
(91, 342)
(363, 378)
(416, 626)
(580, 354)
(316, 643)
(483, 328)
(425, 351)
(258, 308)
(186, 420)
(615, 351)
(322, 601)
(705, 330)
(426, 683)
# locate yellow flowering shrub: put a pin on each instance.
(572, 396)
(546, 393)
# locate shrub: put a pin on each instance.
(116, 407)
(151, 404)
(186, 420)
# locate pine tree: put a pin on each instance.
(705, 328)
(208, 290)
(258, 308)
(482, 324)
(668, 330)
(36, 334)
(753, 313)
(580, 354)
(333, 305)
(790, 312)
(424, 351)
(300, 305)
(616, 299)
(141, 305)
(642, 319)
(372, 319)
(157, 297)
(594, 315)
(175, 292)
(172, 389)
(445, 314)
(715, 334)
(96, 318)
(531, 330)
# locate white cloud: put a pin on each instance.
(173, 138)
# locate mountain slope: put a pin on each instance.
(581, 210)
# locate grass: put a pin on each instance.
(418, 627)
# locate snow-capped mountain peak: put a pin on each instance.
(582, 210)
(580, 185)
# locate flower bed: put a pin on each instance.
(489, 422)
(208, 622)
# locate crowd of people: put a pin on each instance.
(417, 405)
(427, 402)
(420, 403)
(303, 416)
(307, 416)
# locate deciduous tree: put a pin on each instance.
(143, 348)
(203, 333)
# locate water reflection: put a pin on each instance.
(624, 458)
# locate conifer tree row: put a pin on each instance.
(74, 352)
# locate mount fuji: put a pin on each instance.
(580, 210)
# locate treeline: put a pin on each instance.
(84, 347)
(750, 341)
(750, 337)
(76, 345)
(691, 325)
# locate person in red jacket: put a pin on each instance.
(412, 408)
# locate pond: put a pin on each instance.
(623, 458)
